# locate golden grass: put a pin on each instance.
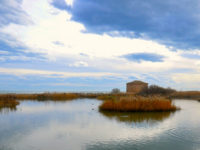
(42, 96)
(7, 97)
(112, 96)
(186, 95)
(57, 96)
(106, 97)
(138, 104)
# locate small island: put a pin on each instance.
(138, 104)
(140, 98)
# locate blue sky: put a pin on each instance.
(97, 45)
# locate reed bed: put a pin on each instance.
(138, 104)
(112, 96)
(186, 95)
(106, 97)
(7, 97)
(58, 96)
(42, 96)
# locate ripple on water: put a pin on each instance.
(185, 134)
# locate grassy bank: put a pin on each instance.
(138, 104)
(48, 96)
(186, 95)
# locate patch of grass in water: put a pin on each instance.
(138, 104)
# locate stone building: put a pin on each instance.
(135, 86)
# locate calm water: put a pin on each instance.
(77, 125)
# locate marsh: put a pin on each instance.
(79, 125)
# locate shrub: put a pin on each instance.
(115, 91)
(157, 90)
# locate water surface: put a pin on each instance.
(78, 125)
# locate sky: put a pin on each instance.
(98, 45)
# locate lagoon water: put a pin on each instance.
(78, 125)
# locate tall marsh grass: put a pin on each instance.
(138, 104)
(186, 95)
(42, 96)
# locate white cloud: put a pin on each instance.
(186, 78)
(69, 2)
(49, 28)
(102, 52)
(4, 52)
(79, 64)
(21, 72)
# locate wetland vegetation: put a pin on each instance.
(138, 104)
(154, 98)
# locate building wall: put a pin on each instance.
(135, 88)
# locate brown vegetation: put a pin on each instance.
(42, 96)
(107, 97)
(112, 96)
(157, 90)
(186, 95)
(138, 103)
(136, 117)
(57, 96)
(7, 97)
(11, 104)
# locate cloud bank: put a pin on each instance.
(121, 41)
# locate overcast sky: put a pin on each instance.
(97, 45)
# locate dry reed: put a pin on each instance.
(138, 103)
(186, 95)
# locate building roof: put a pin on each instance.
(137, 82)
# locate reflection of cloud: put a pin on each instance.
(49, 106)
(82, 131)
(79, 127)
(7, 110)
(85, 127)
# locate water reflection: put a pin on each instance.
(137, 117)
(78, 125)
(7, 106)
(7, 110)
